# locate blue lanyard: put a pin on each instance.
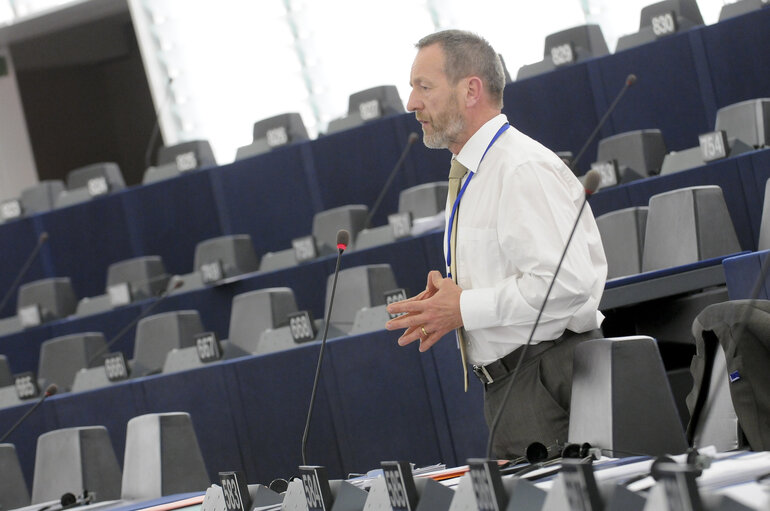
(460, 196)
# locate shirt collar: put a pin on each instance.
(473, 150)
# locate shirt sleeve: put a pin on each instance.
(536, 212)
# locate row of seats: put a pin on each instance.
(626, 374)
(162, 457)
(199, 159)
(260, 322)
(656, 20)
(639, 154)
(636, 240)
(420, 209)
(677, 228)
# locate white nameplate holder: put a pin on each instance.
(664, 24)
(400, 224)
(186, 161)
(11, 209)
(212, 272)
(120, 294)
(26, 385)
(302, 327)
(30, 316)
(304, 248)
(369, 110)
(208, 348)
(393, 296)
(608, 170)
(115, 367)
(563, 54)
(98, 186)
(713, 145)
(277, 137)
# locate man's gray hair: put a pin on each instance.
(467, 54)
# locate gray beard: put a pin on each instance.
(442, 139)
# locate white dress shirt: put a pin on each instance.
(513, 223)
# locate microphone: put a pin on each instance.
(176, 283)
(49, 391)
(591, 183)
(156, 126)
(24, 268)
(413, 137)
(630, 80)
(343, 238)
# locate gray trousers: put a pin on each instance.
(537, 409)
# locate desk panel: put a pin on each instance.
(169, 218)
(558, 109)
(667, 94)
(273, 197)
(380, 403)
(275, 392)
(86, 238)
(17, 241)
(737, 56)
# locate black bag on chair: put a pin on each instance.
(742, 329)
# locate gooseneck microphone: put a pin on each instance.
(591, 184)
(49, 391)
(343, 239)
(176, 283)
(413, 137)
(24, 268)
(630, 80)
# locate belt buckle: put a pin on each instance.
(483, 375)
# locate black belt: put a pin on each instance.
(502, 367)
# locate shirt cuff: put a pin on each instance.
(478, 308)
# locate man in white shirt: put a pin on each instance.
(514, 215)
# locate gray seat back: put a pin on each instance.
(327, 223)
(358, 287)
(423, 200)
(79, 178)
(13, 488)
(281, 130)
(618, 386)
(747, 121)
(386, 96)
(73, 460)
(738, 8)
(642, 151)
(235, 253)
(764, 226)
(41, 197)
(146, 276)
(157, 335)
(54, 296)
(62, 357)
(257, 311)
(586, 41)
(622, 235)
(6, 377)
(687, 225)
(162, 457)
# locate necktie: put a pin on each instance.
(456, 174)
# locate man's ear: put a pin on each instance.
(474, 91)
